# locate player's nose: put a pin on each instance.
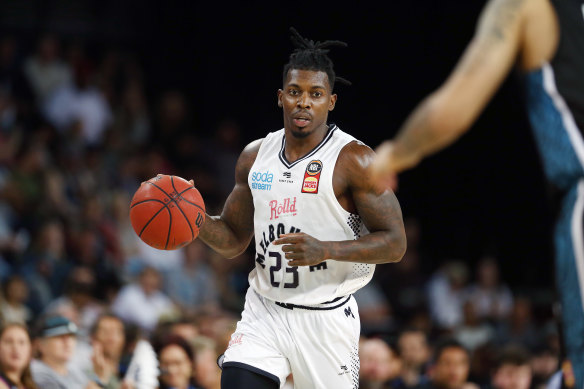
(303, 101)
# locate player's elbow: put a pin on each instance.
(396, 249)
(232, 252)
(399, 251)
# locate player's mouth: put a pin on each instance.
(301, 120)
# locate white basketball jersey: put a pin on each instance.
(298, 196)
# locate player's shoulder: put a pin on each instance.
(253, 147)
(357, 154)
(353, 164)
(249, 155)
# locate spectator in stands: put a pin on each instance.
(78, 303)
(374, 309)
(12, 307)
(103, 358)
(45, 265)
(380, 365)
(207, 373)
(513, 369)
(450, 367)
(415, 354)
(55, 343)
(473, 332)
(491, 298)
(143, 303)
(79, 109)
(403, 282)
(174, 130)
(446, 294)
(193, 285)
(545, 362)
(45, 71)
(176, 359)
(184, 327)
(15, 357)
(519, 327)
(24, 187)
(131, 120)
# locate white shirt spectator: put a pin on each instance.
(46, 77)
(446, 295)
(45, 377)
(88, 106)
(135, 306)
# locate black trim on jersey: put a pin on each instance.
(253, 369)
(292, 306)
(289, 165)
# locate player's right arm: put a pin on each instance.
(230, 233)
(501, 35)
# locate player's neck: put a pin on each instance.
(297, 147)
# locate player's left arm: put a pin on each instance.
(379, 210)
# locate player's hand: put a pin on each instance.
(302, 249)
(380, 170)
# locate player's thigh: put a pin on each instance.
(255, 344)
(327, 353)
(238, 378)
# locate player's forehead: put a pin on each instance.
(309, 79)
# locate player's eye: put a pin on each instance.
(317, 94)
(293, 92)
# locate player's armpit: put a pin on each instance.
(230, 233)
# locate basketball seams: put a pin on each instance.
(170, 197)
(152, 218)
(190, 202)
(159, 188)
(150, 228)
(147, 200)
(169, 228)
(180, 209)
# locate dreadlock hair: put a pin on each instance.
(311, 55)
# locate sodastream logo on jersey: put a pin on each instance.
(262, 180)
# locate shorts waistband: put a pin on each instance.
(343, 300)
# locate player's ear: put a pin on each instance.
(280, 98)
(332, 102)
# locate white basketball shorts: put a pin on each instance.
(318, 344)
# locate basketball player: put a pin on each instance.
(320, 226)
(545, 38)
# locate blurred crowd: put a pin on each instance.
(79, 132)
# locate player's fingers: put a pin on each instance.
(288, 248)
(192, 182)
(292, 235)
(289, 238)
(293, 256)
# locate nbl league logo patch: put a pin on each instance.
(312, 177)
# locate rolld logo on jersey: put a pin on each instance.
(285, 208)
(312, 177)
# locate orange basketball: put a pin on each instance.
(167, 212)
